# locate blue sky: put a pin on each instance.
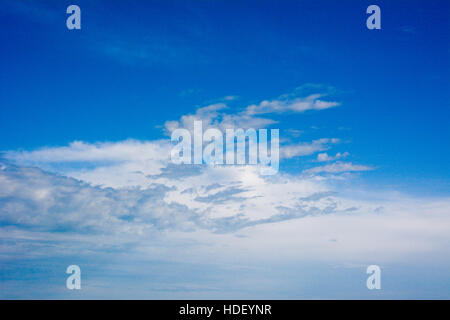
(73, 102)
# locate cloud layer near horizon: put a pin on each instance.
(204, 202)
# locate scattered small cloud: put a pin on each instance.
(324, 157)
(304, 149)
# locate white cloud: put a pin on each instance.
(324, 157)
(339, 167)
(304, 149)
(107, 151)
(311, 102)
(113, 164)
(215, 115)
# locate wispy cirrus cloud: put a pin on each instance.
(312, 102)
(219, 114)
(339, 167)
